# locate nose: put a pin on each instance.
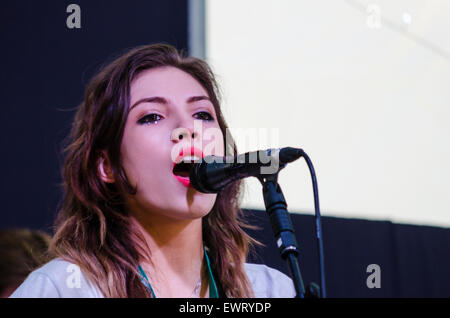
(183, 134)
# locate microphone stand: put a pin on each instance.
(283, 230)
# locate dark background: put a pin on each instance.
(45, 67)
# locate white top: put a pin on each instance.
(60, 278)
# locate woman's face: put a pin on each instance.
(167, 105)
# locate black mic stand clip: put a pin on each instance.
(283, 230)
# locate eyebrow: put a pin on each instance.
(162, 100)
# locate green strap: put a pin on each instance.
(145, 281)
(213, 292)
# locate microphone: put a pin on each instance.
(214, 173)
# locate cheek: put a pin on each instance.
(213, 141)
(140, 154)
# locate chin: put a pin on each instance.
(195, 211)
(188, 207)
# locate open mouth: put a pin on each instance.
(184, 163)
(183, 169)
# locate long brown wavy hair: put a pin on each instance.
(93, 227)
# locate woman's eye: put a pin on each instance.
(204, 116)
(150, 119)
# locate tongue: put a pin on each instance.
(182, 169)
(182, 174)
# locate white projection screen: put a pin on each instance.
(362, 86)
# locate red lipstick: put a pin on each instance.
(186, 152)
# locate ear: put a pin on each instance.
(104, 168)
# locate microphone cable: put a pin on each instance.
(318, 224)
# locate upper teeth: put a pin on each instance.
(190, 158)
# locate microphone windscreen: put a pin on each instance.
(289, 154)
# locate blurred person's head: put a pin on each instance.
(21, 252)
(119, 167)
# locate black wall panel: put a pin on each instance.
(44, 68)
